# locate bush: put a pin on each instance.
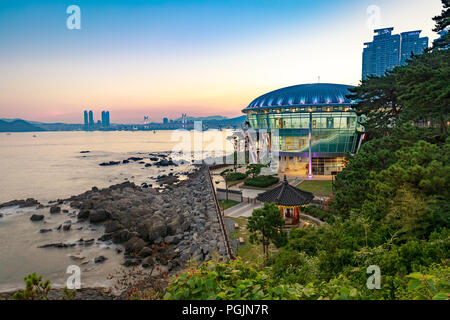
(261, 181)
(240, 280)
(234, 176)
(318, 213)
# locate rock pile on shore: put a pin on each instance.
(165, 227)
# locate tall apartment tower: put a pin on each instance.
(108, 123)
(91, 120)
(412, 43)
(86, 121)
(388, 50)
(103, 119)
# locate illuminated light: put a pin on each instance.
(328, 109)
(310, 110)
(346, 109)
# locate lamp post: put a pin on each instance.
(309, 141)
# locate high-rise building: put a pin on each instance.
(388, 50)
(165, 121)
(86, 121)
(108, 123)
(103, 119)
(91, 120)
(411, 44)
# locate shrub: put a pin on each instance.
(318, 213)
(261, 181)
(234, 176)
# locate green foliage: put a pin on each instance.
(225, 204)
(254, 169)
(238, 280)
(442, 22)
(234, 176)
(266, 226)
(69, 294)
(35, 288)
(426, 83)
(426, 287)
(261, 181)
(378, 101)
(318, 213)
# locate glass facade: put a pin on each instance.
(332, 131)
(321, 109)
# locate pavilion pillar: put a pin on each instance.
(282, 212)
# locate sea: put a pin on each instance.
(56, 165)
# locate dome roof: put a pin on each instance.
(304, 95)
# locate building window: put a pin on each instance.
(350, 122)
(314, 124)
(330, 123)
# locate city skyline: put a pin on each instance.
(163, 59)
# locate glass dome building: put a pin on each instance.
(316, 126)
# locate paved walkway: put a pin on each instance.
(242, 209)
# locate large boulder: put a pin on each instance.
(120, 236)
(37, 217)
(145, 252)
(55, 209)
(99, 215)
(174, 225)
(112, 226)
(155, 228)
(134, 245)
(83, 214)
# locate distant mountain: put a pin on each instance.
(18, 125)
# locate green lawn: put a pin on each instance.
(224, 204)
(318, 187)
(247, 251)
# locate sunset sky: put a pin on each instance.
(162, 58)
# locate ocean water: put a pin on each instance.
(49, 166)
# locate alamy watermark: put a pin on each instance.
(374, 19)
(74, 19)
(74, 280)
(374, 280)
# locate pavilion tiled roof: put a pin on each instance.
(286, 195)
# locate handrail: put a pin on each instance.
(222, 225)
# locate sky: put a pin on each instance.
(163, 58)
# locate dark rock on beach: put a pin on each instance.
(110, 163)
(55, 209)
(30, 202)
(99, 215)
(37, 217)
(100, 259)
(58, 245)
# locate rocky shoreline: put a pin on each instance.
(155, 226)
